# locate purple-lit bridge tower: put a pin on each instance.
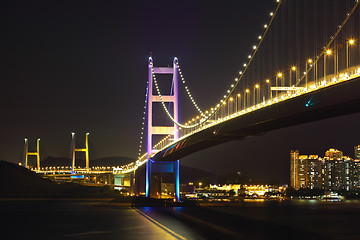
(161, 167)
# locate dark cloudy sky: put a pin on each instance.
(81, 66)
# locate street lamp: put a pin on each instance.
(223, 109)
(328, 52)
(350, 42)
(238, 96)
(269, 89)
(279, 75)
(306, 71)
(231, 99)
(256, 93)
(292, 69)
(246, 96)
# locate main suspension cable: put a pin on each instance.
(187, 90)
(205, 117)
(143, 119)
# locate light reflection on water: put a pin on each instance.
(286, 204)
(325, 203)
(328, 219)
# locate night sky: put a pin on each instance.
(81, 66)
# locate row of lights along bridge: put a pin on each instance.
(242, 103)
(244, 100)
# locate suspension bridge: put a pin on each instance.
(304, 66)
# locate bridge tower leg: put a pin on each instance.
(74, 150)
(37, 153)
(162, 130)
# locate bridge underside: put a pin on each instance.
(339, 99)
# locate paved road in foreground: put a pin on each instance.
(56, 219)
(59, 219)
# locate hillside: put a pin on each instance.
(189, 174)
(17, 181)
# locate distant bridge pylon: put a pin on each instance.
(37, 153)
(74, 150)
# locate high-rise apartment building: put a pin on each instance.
(357, 152)
(332, 172)
(294, 169)
(333, 153)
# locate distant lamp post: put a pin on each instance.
(328, 52)
(231, 99)
(278, 76)
(200, 184)
(350, 42)
(292, 69)
(246, 97)
(309, 61)
(269, 88)
(238, 104)
(256, 93)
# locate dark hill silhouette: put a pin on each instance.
(189, 174)
(17, 181)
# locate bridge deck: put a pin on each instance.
(335, 100)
